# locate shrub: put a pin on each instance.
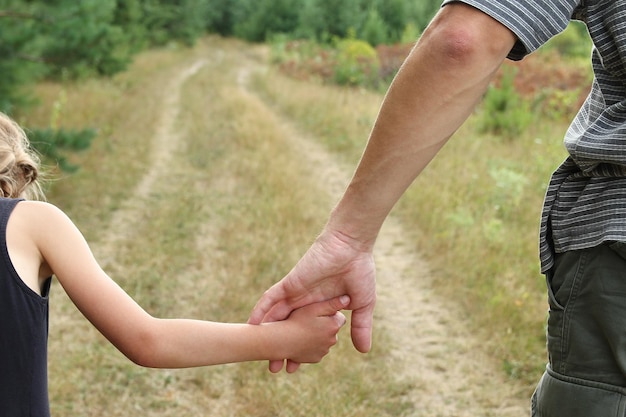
(374, 29)
(51, 143)
(357, 63)
(504, 111)
(302, 59)
(573, 42)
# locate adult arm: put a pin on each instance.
(435, 91)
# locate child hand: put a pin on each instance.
(313, 330)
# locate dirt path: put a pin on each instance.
(164, 142)
(432, 349)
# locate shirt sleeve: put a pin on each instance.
(534, 22)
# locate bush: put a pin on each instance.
(504, 111)
(51, 143)
(573, 42)
(357, 63)
(374, 29)
(348, 62)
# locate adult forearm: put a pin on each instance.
(435, 91)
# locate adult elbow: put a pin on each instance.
(457, 46)
(461, 36)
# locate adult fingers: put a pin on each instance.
(272, 300)
(292, 366)
(276, 366)
(361, 329)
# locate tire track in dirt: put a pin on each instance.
(164, 142)
(431, 349)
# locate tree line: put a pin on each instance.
(68, 39)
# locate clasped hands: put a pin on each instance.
(330, 269)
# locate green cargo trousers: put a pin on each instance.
(586, 374)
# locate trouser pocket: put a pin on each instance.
(587, 317)
(564, 283)
(561, 396)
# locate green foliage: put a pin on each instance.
(16, 76)
(346, 61)
(77, 39)
(220, 17)
(128, 15)
(504, 112)
(64, 37)
(573, 42)
(376, 21)
(174, 20)
(59, 38)
(52, 144)
(68, 39)
(559, 104)
(410, 34)
(422, 11)
(82, 41)
(19, 62)
(268, 17)
(509, 186)
(357, 63)
(375, 30)
(324, 19)
(396, 15)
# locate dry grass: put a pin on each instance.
(474, 213)
(233, 207)
(228, 212)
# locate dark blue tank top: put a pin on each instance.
(23, 337)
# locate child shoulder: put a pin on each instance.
(39, 210)
(41, 206)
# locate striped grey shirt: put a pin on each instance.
(585, 203)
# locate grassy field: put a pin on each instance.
(473, 212)
(228, 210)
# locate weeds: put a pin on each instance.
(357, 64)
(504, 112)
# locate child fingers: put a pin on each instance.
(340, 318)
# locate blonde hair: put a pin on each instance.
(19, 163)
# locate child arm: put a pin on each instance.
(306, 336)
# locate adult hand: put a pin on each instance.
(312, 329)
(334, 265)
